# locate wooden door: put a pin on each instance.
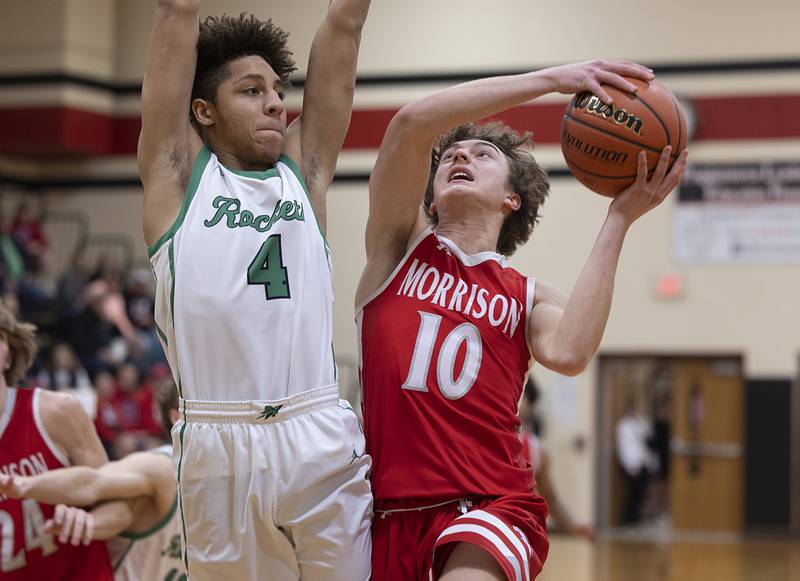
(707, 475)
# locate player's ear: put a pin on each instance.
(203, 112)
(513, 201)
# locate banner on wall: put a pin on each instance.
(739, 214)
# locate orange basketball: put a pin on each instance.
(601, 142)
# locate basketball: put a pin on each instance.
(601, 142)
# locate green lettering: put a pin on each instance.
(245, 218)
(227, 207)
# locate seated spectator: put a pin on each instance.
(140, 305)
(127, 416)
(63, 372)
(28, 234)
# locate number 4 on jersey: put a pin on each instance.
(267, 269)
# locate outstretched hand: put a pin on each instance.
(72, 525)
(592, 75)
(645, 194)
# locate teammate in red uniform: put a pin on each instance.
(40, 431)
(448, 329)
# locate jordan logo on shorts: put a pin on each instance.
(270, 411)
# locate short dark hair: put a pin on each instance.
(526, 178)
(225, 38)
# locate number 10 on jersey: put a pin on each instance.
(450, 386)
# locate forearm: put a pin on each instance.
(111, 519)
(433, 115)
(75, 486)
(581, 327)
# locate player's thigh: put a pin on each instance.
(469, 562)
(326, 506)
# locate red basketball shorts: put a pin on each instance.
(413, 544)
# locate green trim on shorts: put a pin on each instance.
(180, 496)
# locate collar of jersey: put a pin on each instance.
(473, 259)
(271, 172)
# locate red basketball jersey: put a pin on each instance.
(443, 362)
(28, 553)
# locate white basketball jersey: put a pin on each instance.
(155, 554)
(244, 298)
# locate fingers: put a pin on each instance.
(631, 69)
(616, 80)
(676, 173)
(79, 526)
(89, 530)
(63, 522)
(661, 167)
(50, 527)
(641, 170)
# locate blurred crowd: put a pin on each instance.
(97, 336)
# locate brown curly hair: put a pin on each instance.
(22, 346)
(526, 178)
(225, 38)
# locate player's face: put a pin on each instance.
(250, 117)
(473, 173)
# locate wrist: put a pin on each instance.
(546, 80)
(617, 220)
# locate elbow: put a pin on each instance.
(180, 6)
(348, 16)
(572, 364)
(411, 118)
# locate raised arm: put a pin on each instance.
(167, 143)
(84, 486)
(400, 175)
(566, 332)
(316, 137)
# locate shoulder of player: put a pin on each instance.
(63, 418)
(60, 410)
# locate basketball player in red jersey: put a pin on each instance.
(448, 330)
(40, 431)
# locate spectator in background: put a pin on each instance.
(102, 321)
(28, 234)
(633, 432)
(63, 372)
(660, 444)
(539, 459)
(107, 421)
(128, 420)
(70, 293)
(12, 265)
(140, 304)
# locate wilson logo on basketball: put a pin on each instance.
(592, 104)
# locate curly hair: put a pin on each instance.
(526, 178)
(225, 38)
(22, 346)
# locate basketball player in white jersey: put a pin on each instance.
(143, 533)
(270, 465)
